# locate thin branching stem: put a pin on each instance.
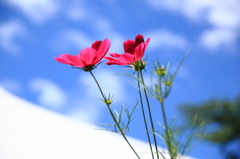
(166, 128)
(161, 100)
(144, 116)
(108, 106)
(150, 114)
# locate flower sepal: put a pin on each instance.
(108, 100)
(138, 65)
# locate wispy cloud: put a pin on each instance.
(88, 106)
(223, 16)
(164, 38)
(109, 82)
(9, 31)
(79, 40)
(38, 11)
(76, 10)
(11, 85)
(50, 95)
(85, 111)
(218, 38)
(69, 39)
(105, 28)
(214, 11)
(75, 14)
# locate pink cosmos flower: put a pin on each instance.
(134, 51)
(88, 57)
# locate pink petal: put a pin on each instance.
(146, 44)
(114, 55)
(60, 60)
(138, 40)
(68, 59)
(102, 50)
(126, 58)
(110, 58)
(96, 44)
(88, 55)
(129, 46)
(80, 61)
(139, 51)
(113, 61)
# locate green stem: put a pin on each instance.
(115, 121)
(144, 116)
(150, 115)
(167, 131)
(161, 100)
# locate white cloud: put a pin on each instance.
(50, 94)
(76, 10)
(103, 25)
(218, 38)
(85, 111)
(38, 11)
(74, 13)
(163, 38)
(79, 40)
(9, 31)
(116, 43)
(74, 38)
(71, 40)
(109, 82)
(218, 11)
(224, 16)
(88, 107)
(191, 9)
(11, 85)
(105, 28)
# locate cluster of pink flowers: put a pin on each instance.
(90, 57)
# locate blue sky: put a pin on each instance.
(33, 32)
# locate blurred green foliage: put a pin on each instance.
(222, 122)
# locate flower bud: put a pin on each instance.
(168, 83)
(161, 71)
(108, 101)
(161, 100)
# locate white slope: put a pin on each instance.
(30, 132)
